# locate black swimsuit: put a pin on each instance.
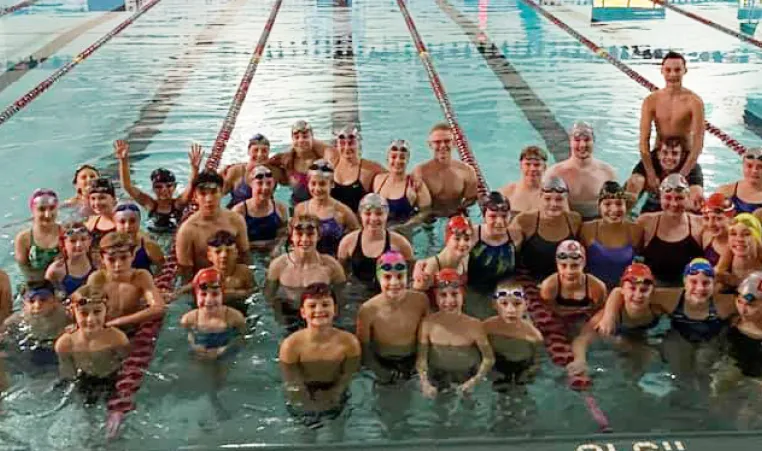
(538, 255)
(746, 351)
(350, 195)
(667, 259)
(364, 267)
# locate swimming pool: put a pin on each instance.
(168, 79)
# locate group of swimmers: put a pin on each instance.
(691, 259)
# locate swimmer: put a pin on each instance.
(83, 176)
(672, 236)
(387, 324)
(459, 238)
(571, 293)
(317, 363)
(149, 254)
(538, 249)
(746, 194)
(717, 213)
(214, 328)
(743, 254)
(295, 163)
(515, 341)
(71, 270)
(266, 219)
(124, 287)
(583, 174)
(336, 219)
(675, 111)
(194, 233)
(372, 239)
(92, 354)
(493, 256)
(353, 176)
(525, 194)
(238, 177)
(668, 157)
(37, 247)
(408, 197)
(102, 201)
(6, 296)
(451, 183)
(289, 274)
(612, 241)
(453, 349)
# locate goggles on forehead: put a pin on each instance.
(78, 230)
(569, 256)
(208, 185)
(81, 302)
(399, 145)
(263, 175)
(204, 286)
(501, 207)
(749, 298)
(515, 293)
(398, 267)
(42, 293)
(555, 189)
(118, 250)
(347, 136)
(753, 154)
(321, 167)
(301, 126)
(305, 227)
(127, 208)
(222, 241)
(704, 268)
(442, 284)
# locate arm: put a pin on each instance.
(579, 347)
(350, 366)
(344, 252)
(272, 283)
(67, 369)
(195, 155)
(646, 118)
(363, 332)
(422, 361)
(155, 254)
(421, 277)
(293, 379)
(349, 218)
(607, 319)
(242, 239)
(153, 298)
(6, 296)
(549, 290)
(488, 359)
(697, 130)
(122, 151)
(184, 249)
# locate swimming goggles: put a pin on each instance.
(699, 267)
(516, 293)
(219, 241)
(41, 293)
(102, 186)
(569, 255)
(347, 137)
(204, 286)
(127, 208)
(399, 267)
(555, 189)
(399, 145)
(301, 126)
(76, 230)
(263, 175)
(308, 228)
(501, 207)
(208, 185)
(442, 284)
(753, 154)
(259, 139)
(85, 301)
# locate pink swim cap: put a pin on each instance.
(42, 193)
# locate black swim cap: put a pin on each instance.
(611, 190)
(495, 201)
(208, 178)
(102, 185)
(162, 175)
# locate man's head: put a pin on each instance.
(207, 190)
(673, 68)
(533, 161)
(581, 139)
(440, 142)
(671, 153)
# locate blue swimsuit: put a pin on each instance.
(263, 228)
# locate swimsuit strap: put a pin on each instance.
(439, 265)
(66, 265)
(245, 209)
(597, 226)
(359, 171)
(568, 224)
(479, 234)
(656, 229)
(537, 227)
(382, 183)
(387, 241)
(735, 189)
(407, 182)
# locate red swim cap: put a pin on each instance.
(449, 278)
(457, 224)
(207, 278)
(637, 273)
(718, 203)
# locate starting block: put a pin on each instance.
(618, 10)
(749, 10)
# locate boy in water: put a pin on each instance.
(317, 363)
(92, 354)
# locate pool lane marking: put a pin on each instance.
(728, 140)
(346, 106)
(535, 110)
(18, 70)
(13, 8)
(705, 21)
(35, 92)
(132, 372)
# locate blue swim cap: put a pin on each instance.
(699, 265)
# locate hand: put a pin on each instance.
(428, 390)
(121, 149)
(605, 326)
(195, 155)
(467, 387)
(421, 279)
(576, 367)
(113, 422)
(652, 182)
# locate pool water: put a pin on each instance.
(167, 81)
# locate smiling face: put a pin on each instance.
(259, 153)
(698, 287)
(570, 270)
(90, 316)
(669, 157)
(752, 170)
(347, 145)
(127, 222)
(496, 221)
(673, 70)
(716, 223)
(83, 179)
(613, 210)
(674, 201)
(440, 142)
(397, 161)
(459, 242)
(41, 304)
(318, 311)
(209, 296)
(374, 218)
(449, 299)
(741, 240)
(320, 186)
(637, 295)
(44, 210)
(552, 204)
(393, 279)
(581, 145)
(304, 236)
(302, 139)
(164, 190)
(222, 257)
(262, 185)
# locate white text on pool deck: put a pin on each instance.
(636, 446)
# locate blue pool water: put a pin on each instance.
(167, 81)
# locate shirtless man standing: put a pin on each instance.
(193, 235)
(452, 183)
(524, 195)
(675, 111)
(583, 174)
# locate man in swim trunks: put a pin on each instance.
(452, 183)
(194, 233)
(675, 111)
(583, 174)
(387, 324)
(524, 195)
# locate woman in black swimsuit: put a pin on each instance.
(353, 176)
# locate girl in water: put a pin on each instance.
(83, 176)
(71, 270)
(717, 213)
(353, 176)
(542, 230)
(336, 219)
(148, 253)
(289, 274)
(37, 247)
(612, 241)
(743, 253)
(164, 211)
(238, 176)
(266, 219)
(746, 194)
(102, 201)
(459, 235)
(408, 197)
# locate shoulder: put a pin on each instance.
(97, 278)
(189, 319)
(289, 348)
(118, 337)
(726, 189)
(596, 283)
(277, 265)
(24, 235)
(64, 343)
(350, 342)
(371, 165)
(143, 277)
(235, 316)
(281, 208)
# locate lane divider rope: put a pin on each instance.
(13, 8)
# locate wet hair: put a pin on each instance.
(82, 168)
(162, 175)
(102, 185)
(444, 126)
(672, 55)
(207, 177)
(495, 201)
(89, 292)
(116, 239)
(316, 290)
(309, 218)
(221, 238)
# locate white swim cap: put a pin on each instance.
(554, 184)
(673, 182)
(753, 154)
(582, 129)
(373, 201)
(321, 168)
(570, 249)
(751, 287)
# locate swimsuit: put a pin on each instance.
(746, 351)
(97, 234)
(161, 222)
(300, 190)
(94, 388)
(364, 267)
(489, 264)
(538, 255)
(400, 209)
(741, 205)
(350, 195)
(331, 233)
(72, 283)
(240, 193)
(697, 330)
(711, 254)
(262, 228)
(40, 257)
(142, 260)
(608, 263)
(628, 331)
(667, 259)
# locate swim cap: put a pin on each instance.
(699, 265)
(127, 207)
(750, 221)
(39, 289)
(570, 249)
(321, 168)
(449, 278)
(611, 190)
(261, 172)
(753, 154)
(301, 126)
(162, 175)
(373, 201)
(673, 182)
(719, 203)
(554, 184)
(207, 179)
(74, 228)
(259, 139)
(207, 278)
(391, 261)
(116, 241)
(637, 273)
(495, 201)
(347, 131)
(533, 153)
(305, 223)
(82, 168)
(399, 145)
(582, 129)
(102, 185)
(750, 289)
(43, 196)
(457, 224)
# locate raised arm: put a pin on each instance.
(122, 151)
(195, 156)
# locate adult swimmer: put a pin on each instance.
(675, 111)
(102, 197)
(717, 213)
(238, 176)
(672, 236)
(357, 249)
(583, 173)
(451, 183)
(164, 211)
(743, 254)
(458, 237)
(266, 219)
(75, 264)
(83, 176)
(667, 158)
(353, 175)
(336, 219)
(317, 363)
(542, 230)
(611, 241)
(408, 197)
(291, 273)
(38, 246)
(525, 194)
(148, 254)
(746, 194)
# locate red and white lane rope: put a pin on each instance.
(713, 129)
(13, 8)
(35, 92)
(143, 345)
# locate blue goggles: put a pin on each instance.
(40, 293)
(703, 267)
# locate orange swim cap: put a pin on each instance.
(719, 203)
(207, 278)
(637, 273)
(459, 224)
(449, 278)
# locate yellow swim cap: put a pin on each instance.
(750, 221)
